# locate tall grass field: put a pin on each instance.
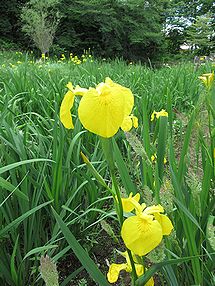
(61, 213)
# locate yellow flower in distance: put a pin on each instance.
(157, 114)
(102, 110)
(144, 231)
(154, 158)
(207, 79)
(114, 270)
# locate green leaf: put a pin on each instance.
(81, 254)
(12, 189)
(156, 267)
(123, 170)
(17, 164)
(39, 249)
(18, 220)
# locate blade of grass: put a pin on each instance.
(81, 254)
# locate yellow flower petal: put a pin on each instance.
(162, 113)
(114, 270)
(158, 114)
(126, 124)
(129, 98)
(65, 114)
(153, 115)
(127, 204)
(102, 113)
(70, 86)
(154, 209)
(139, 269)
(153, 157)
(80, 90)
(207, 79)
(141, 233)
(135, 121)
(165, 223)
(150, 282)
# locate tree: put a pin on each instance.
(10, 29)
(127, 28)
(40, 20)
(186, 18)
(200, 34)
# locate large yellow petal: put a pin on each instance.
(103, 113)
(129, 98)
(165, 223)
(65, 114)
(114, 270)
(141, 233)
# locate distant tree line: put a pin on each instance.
(132, 29)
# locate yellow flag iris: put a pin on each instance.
(144, 231)
(207, 79)
(102, 110)
(114, 270)
(127, 204)
(157, 114)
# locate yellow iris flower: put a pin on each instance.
(127, 202)
(114, 270)
(144, 231)
(157, 114)
(207, 79)
(102, 110)
(154, 158)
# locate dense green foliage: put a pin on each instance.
(49, 198)
(124, 28)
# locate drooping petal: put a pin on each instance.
(127, 203)
(135, 121)
(165, 223)
(127, 124)
(114, 270)
(103, 113)
(141, 233)
(65, 114)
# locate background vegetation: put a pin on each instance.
(129, 29)
(50, 202)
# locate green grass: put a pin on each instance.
(42, 168)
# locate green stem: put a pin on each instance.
(108, 153)
(116, 188)
(134, 273)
